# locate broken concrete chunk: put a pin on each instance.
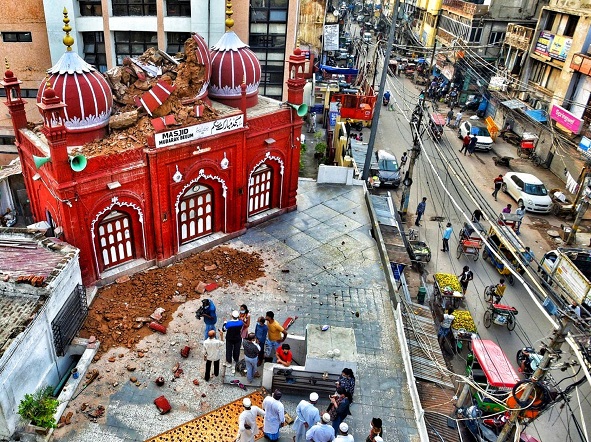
(124, 278)
(210, 268)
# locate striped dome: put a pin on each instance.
(232, 63)
(203, 57)
(85, 91)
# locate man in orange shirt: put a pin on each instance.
(275, 335)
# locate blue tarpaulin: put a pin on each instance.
(539, 115)
(338, 71)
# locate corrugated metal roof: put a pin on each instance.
(14, 168)
(425, 352)
(438, 405)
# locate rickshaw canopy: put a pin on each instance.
(498, 370)
(438, 119)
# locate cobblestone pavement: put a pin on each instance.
(323, 266)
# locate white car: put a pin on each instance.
(476, 127)
(528, 190)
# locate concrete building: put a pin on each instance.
(43, 304)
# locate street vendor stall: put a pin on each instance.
(447, 290)
(470, 243)
(463, 328)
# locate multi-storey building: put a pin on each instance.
(107, 31)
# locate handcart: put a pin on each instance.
(470, 243)
(561, 206)
(510, 220)
(447, 290)
(500, 314)
(463, 328)
(421, 251)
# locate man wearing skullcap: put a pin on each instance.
(344, 435)
(307, 415)
(322, 431)
(247, 421)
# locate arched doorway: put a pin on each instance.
(260, 190)
(115, 239)
(195, 215)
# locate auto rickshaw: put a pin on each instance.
(436, 125)
(506, 243)
(492, 371)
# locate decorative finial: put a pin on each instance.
(229, 13)
(6, 63)
(68, 39)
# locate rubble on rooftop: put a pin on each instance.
(130, 125)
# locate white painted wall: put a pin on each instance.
(30, 361)
(335, 175)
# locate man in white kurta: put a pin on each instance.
(306, 416)
(274, 415)
(321, 432)
(247, 421)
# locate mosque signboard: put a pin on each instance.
(197, 131)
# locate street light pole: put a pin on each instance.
(415, 125)
(378, 105)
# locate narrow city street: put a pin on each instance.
(469, 179)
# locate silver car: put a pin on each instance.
(388, 170)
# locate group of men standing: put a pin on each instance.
(308, 425)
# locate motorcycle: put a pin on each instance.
(472, 419)
(496, 422)
(471, 104)
(528, 360)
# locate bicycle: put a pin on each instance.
(538, 161)
(490, 292)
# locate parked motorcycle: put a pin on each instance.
(528, 360)
(472, 419)
(471, 104)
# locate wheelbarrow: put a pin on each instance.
(502, 161)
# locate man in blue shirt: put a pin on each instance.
(232, 329)
(420, 211)
(209, 316)
(446, 236)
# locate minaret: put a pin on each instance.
(54, 129)
(296, 80)
(14, 101)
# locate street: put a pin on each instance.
(468, 179)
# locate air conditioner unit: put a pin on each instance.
(523, 96)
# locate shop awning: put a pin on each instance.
(338, 71)
(539, 115)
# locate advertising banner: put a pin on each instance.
(566, 119)
(184, 134)
(553, 46)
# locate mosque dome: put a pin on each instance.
(202, 56)
(85, 91)
(233, 63)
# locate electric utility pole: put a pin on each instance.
(415, 127)
(557, 340)
(378, 105)
(582, 198)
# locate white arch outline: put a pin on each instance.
(115, 202)
(268, 156)
(201, 174)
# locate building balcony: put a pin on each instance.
(445, 38)
(519, 36)
(581, 63)
(465, 9)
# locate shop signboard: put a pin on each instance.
(553, 46)
(566, 119)
(331, 37)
